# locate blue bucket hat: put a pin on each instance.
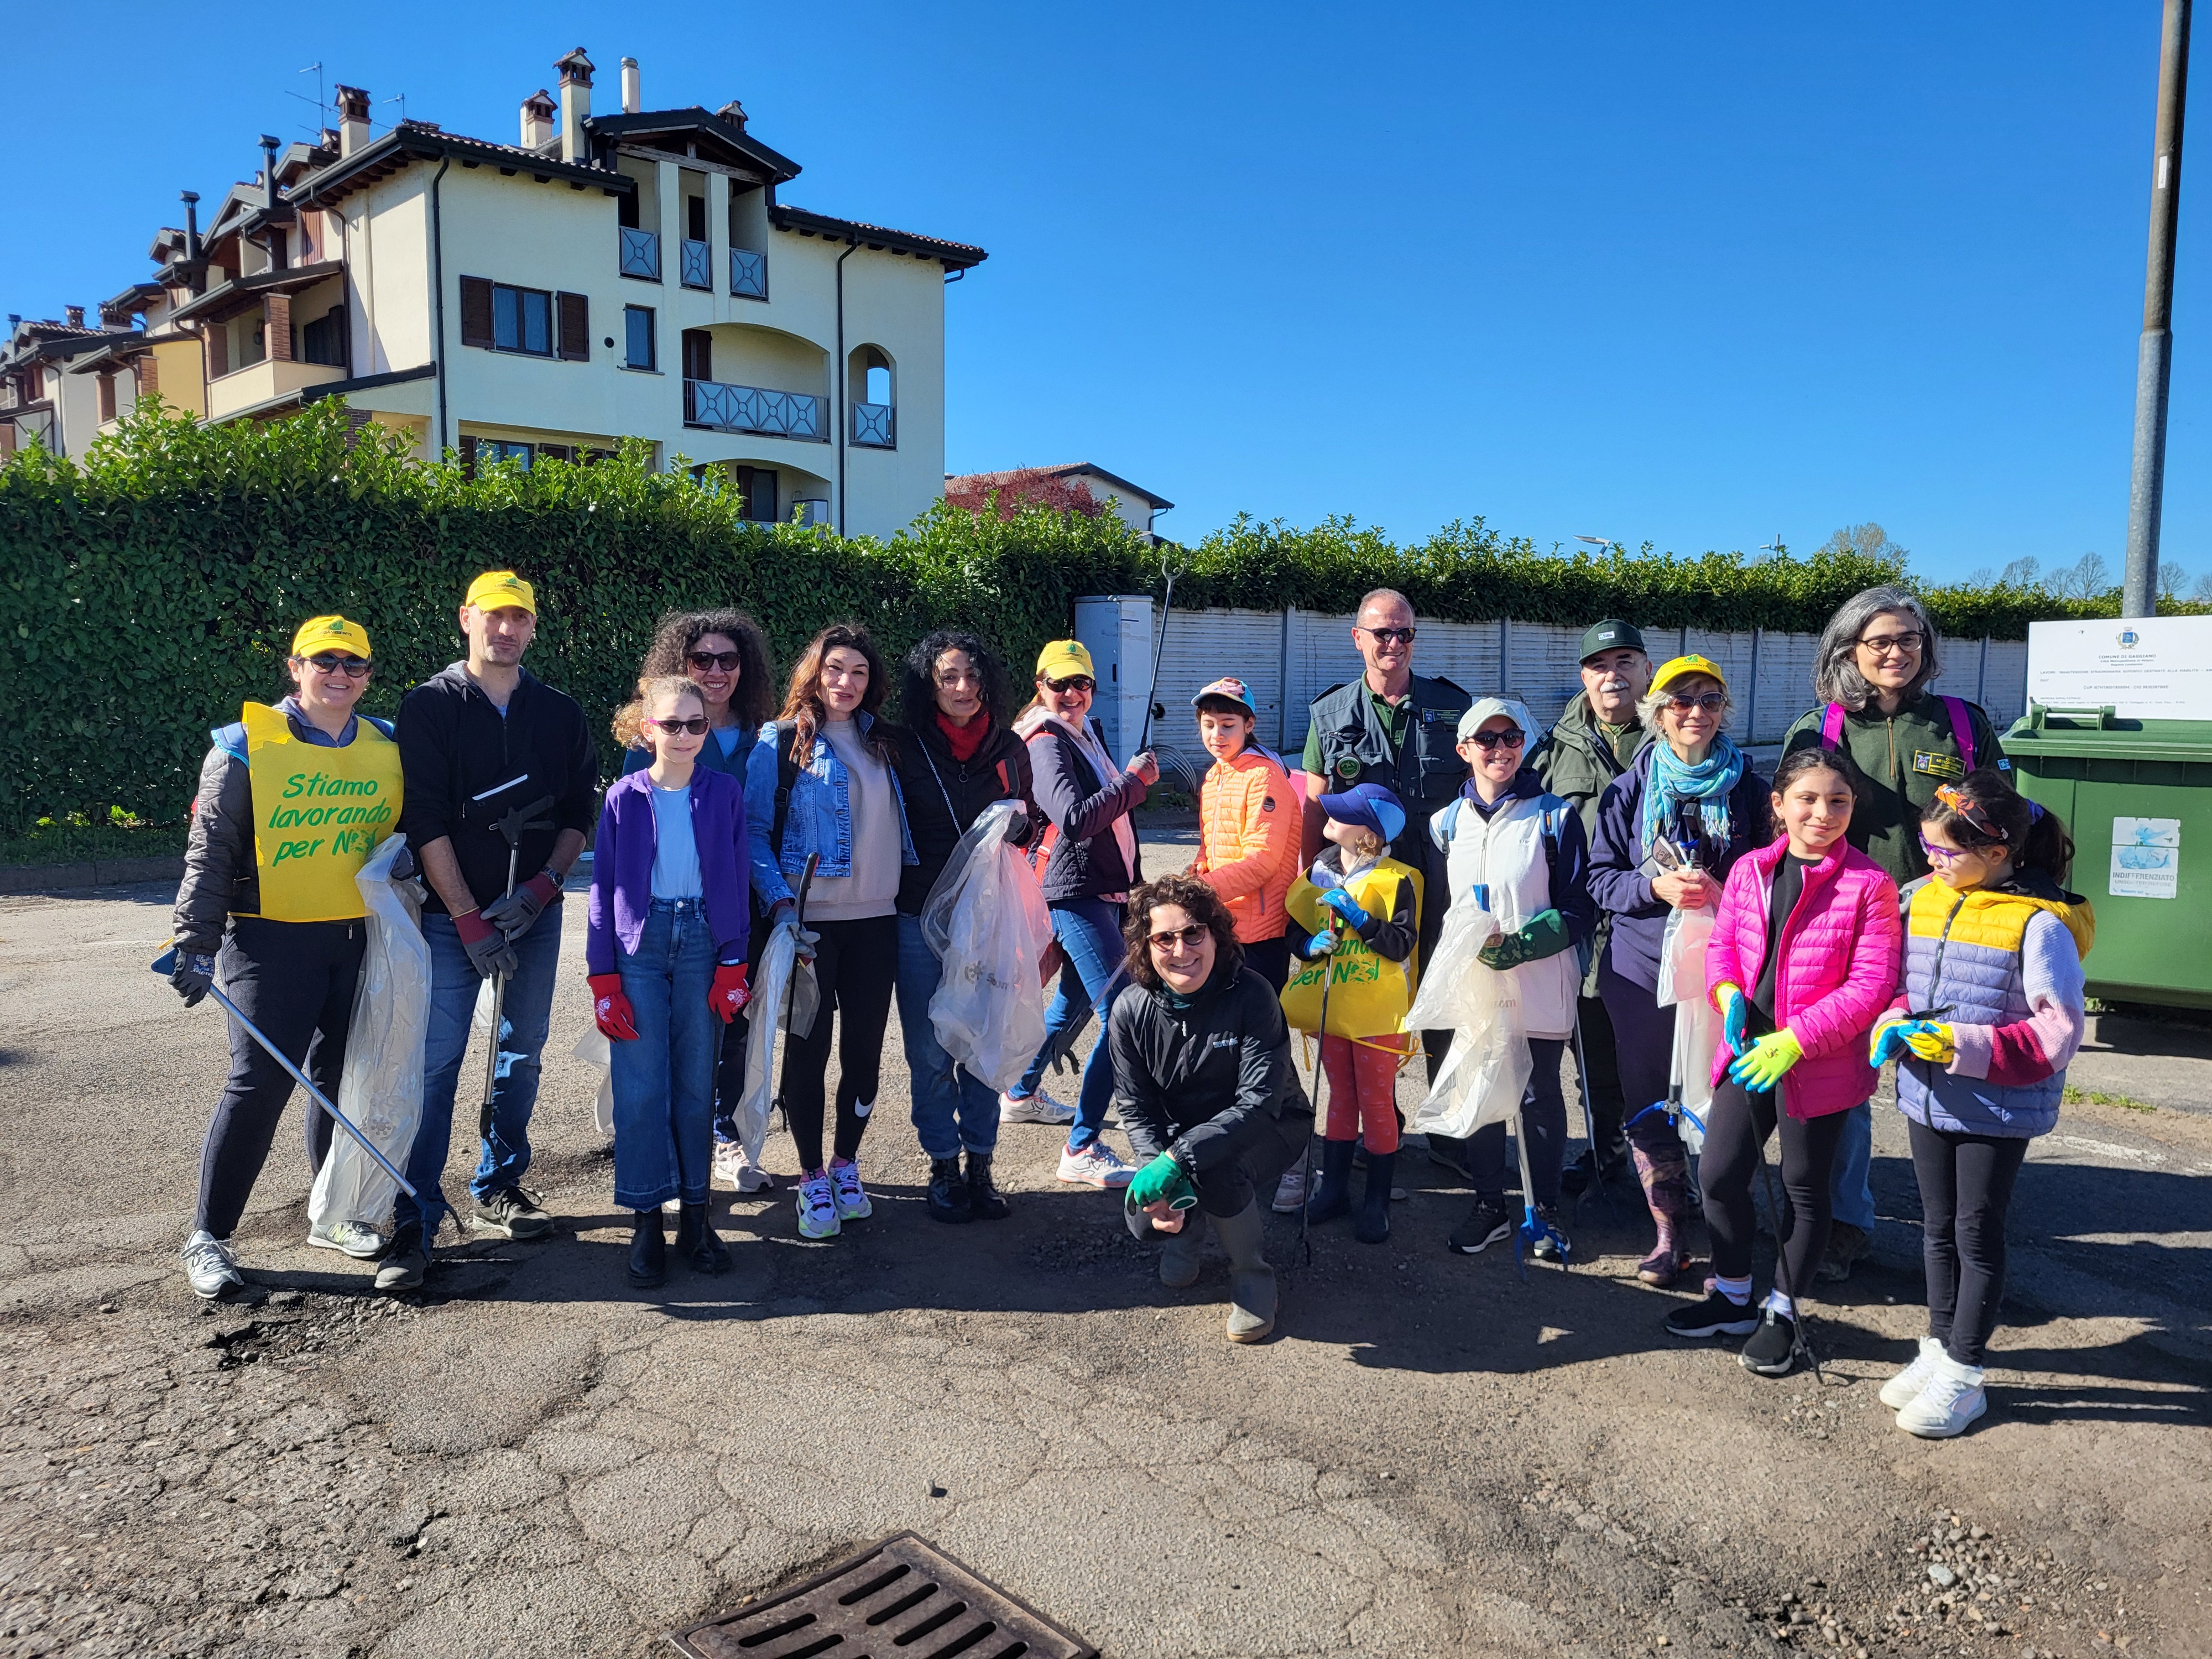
(1371, 806)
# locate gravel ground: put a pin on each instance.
(1434, 1457)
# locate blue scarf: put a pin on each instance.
(1672, 781)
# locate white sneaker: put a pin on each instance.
(1094, 1166)
(733, 1170)
(361, 1243)
(212, 1266)
(1952, 1398)
(1291, 1190)
(672, 1206)
(846, 1192)
(1039, 1108)
(817, 1209)
(1904, 1389)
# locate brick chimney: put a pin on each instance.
(576, 105)
(353, 119)
(632, 101)
(537, 119)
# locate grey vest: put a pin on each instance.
(1426, 774)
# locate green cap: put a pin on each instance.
(1611, 634)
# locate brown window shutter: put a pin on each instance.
(218, 350)
(468, 448)
(575, 326)
(476, 311)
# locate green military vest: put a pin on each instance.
(1425, 772)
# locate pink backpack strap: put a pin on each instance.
(1962, 729)
(1831, 726)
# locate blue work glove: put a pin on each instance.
(1773, 1054)
(1346, 906)
(1320, 945)
(1890, 1040)
(1735, 1015)
(1162, 1181)
(193, 974)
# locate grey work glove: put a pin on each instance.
(490, 953)
(513, 914)
(193, 976)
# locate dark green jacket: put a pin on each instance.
(1576, 763)
(1895, 761)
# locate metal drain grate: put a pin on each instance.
(900, 1598)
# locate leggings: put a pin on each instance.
(1543, 1120)
(1363, 1088)
(856, 963)
(1644, 1041)
(1966, 1187)
(1736, 1131)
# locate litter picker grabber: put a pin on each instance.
(791, 990)
(1590, 1128)
(166, 964)
(1533, 1228)
(1160, 645)
(511, 824)
(1321, 1076)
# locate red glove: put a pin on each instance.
(611, 1009)
(731, 992)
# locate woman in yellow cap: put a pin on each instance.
(292, 801)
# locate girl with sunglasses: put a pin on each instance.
(670, 917)
(1515, 849)
(1990, 1014)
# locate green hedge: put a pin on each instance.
(149, 589)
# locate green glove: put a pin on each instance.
(1162, 1181)
(1545, 935)
(1761, 1068)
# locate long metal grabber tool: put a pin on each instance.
(1160, 645)
(166, 964)
(511, 825)
(1590, 1128)
(791, 985)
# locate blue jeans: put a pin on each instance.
(1090, 931)
(1852, 1187)
(952, 1110)
(664, 1080)
(523, 1015)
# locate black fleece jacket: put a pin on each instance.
(944, 797)
(1207, 1080)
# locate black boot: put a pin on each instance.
(1374, 1223)
(985, 1201)
(1332, 1196)
(948, 1192)
(648, 1249)
(697, 1242)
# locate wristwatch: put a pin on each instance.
(560, 882)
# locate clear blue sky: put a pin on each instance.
(1693, 274)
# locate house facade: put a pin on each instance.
(608, 275)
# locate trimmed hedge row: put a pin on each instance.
(146, 591)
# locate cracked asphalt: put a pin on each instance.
(1433, 1457)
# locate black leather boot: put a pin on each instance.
(648, 1249)
(698, 1243)
(1333, 1195)
(948, 1191)
(1374, 1223)
(985, 1201)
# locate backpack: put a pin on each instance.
(786, 774)
(1962, 728)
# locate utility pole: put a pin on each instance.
(2154, 356)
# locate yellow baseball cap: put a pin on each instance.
(1682, 667)
(1061, 658)
(319, 634)
(496, 589)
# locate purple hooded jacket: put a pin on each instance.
(622, 866)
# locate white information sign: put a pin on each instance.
(2146, 859)
(2147, 668)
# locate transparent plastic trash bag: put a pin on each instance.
(593, 1049)
(1697, 1027)
(380, 1088)
(986, 923)
(1488, 1068)
(786, 998)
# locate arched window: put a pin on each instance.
(872, 388)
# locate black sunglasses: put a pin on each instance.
(1385, 635)
(1189, 936)
(1512, 737)
(722, 659)
(356, 666)
(696, 725)
(1072, 682)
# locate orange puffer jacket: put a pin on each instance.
(1248, 847)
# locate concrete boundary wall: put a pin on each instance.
(1288, 658)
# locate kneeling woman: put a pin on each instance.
(1204, 1085)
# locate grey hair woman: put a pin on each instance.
(1880, 644)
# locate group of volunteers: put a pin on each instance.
(1887, 894)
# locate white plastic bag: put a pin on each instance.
(1485, 1076)
(987, 922)
(381, 1090)
(593, 1049)
(1697, 1028)
(775, 997)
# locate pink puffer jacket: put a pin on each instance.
(1839, 966)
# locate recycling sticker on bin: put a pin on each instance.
(2146, 859)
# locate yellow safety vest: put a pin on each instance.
(317, 814)
(1369, 995)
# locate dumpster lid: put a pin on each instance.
(2100, 734)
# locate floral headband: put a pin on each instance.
(1955, 799)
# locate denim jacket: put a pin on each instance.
(819, 820)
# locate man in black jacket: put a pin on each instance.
(477, 741)
(1204, 1085)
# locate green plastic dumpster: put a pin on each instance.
(2136, 796)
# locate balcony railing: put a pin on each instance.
(698, 264)
(748, 274)
(640, 252)
(875, 426)
(750, 409)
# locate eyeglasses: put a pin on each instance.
(1954, 797)
(696, 725)
(1188, 937)
(1072, 682)
(1389, 635)
(356, 666)
(1512, 737)
(1906, 644)
(1711, 702)
(1943, 855)
(725, 660)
